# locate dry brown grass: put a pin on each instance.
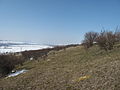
(63, 70)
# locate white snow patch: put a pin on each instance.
(17, 73)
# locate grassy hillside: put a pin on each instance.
(70, 69)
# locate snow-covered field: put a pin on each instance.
(19, 48)
(8, 46)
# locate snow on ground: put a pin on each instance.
(19, 48)
(7, 46)
(17, 73)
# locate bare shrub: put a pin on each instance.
(8, 62)
(117, 34)
(85, 43)
(89, 39)
(106, 40)
(36, 53)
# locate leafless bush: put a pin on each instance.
(117, 34)
(106, 40)
(89, 39)
(36, 53)
(8, 62)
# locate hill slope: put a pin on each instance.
(70, 69)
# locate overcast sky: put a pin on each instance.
(56, 21)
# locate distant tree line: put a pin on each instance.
(105, 39)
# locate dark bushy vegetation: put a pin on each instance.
(44, 52)
(105, 39)
(8, 62)
(36, 53)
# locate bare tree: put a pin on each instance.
(106, 40)
(89, 39)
